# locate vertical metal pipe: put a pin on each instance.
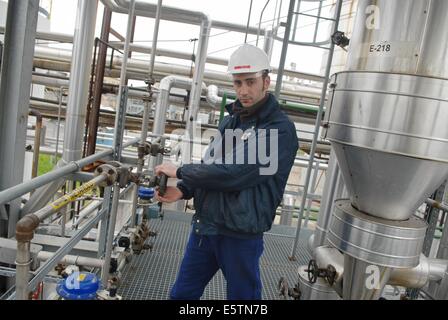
(122, 90)
(281, 66)
(268, 42)
(296, 16)
(326, 203)
(37, 134)
(110, 234)
(79, 79)
(259, 22)
(16, 74)
(319, 11)
(140, 161)
(155, 36)
(55, 160)
(248, 21)
(317, 128)
(99, 80)
(196, 88)
(442, 251)
(312, 188)
(363, 280)
(127, 42)
(23, 262)
(103, 223)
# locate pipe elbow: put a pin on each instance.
(26, 226)
(212, 96)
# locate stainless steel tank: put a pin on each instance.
(387, 120)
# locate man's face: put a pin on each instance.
(250, 87)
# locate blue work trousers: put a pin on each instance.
(237, 258)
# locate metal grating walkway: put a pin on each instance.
(149, 276)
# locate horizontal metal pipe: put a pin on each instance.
(437, 204)
(87, 211)
(418, 277)
(139, 65)
(23, 188)
(73, 260)
(56, 205)
(213, 60)
(174, 14)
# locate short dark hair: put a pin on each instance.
(265, 73)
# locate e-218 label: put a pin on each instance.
(379, 48)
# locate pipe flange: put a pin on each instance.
(387, 243)
(110, 171)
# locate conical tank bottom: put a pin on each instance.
(387, 185)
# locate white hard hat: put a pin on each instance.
(248, 59)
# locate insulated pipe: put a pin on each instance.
(220, 61)
(136, 65)
(79, 80)
(267, 47)
(166, 84)
(418, 277)
(326, 203)
(73, 260)
(213, 98)
(196, 88)
(176, 15)
(16, 71)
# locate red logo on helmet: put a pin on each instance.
(242, 67)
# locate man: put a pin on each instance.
(235, 203)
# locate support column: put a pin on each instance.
(16, 75)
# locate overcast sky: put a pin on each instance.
(222, 44)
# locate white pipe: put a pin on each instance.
(138, 65)
(79, 80)
(175, 14)
(418, 277)
(159, 124)
(73, 260)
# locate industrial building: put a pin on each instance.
(86, 116)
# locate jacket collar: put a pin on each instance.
(270, 106)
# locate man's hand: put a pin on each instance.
(167, 168)
(172, 194)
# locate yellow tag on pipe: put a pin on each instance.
(72, 196)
